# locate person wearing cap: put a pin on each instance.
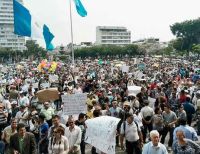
(14, 108)
(147, 116)
(189, 109)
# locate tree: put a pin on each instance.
(107, 50)
(188, 32)
(33, 49)
(196, 49)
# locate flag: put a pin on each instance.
(80, 8)
(25, 24)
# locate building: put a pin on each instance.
(7, 37)
(112, 35)
(151, 44)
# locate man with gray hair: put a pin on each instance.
(154, 146)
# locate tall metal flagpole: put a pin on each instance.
(72, 42)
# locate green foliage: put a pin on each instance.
(188, 33)
(107, 50)
(34, 49)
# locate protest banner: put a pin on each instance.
(74, 104)
(134, 89)
(125, 68)
(101, 133)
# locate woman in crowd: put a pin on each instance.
(58, 144)
(184, 146)
(158, 120)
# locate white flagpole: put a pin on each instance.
(72, 42)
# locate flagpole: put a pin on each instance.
(72, 42)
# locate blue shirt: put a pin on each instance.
(189, 132)
(43, 129)
(149, 148)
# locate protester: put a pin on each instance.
(48, 111)
(183, 145)
(81, 123)
(147, 115)
(169, 119)
(132, 134)
(74, 136)
(8, 132)
(154, 146)
(22, 142)
(43, 135)
(58, 143)
(189, 131)
(56, 123)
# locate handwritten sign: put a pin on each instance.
(101, 133)
(74, 104)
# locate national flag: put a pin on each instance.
(80, 8)
(25, 24)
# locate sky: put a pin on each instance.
(144, 18)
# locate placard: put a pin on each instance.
(101, 133)
(74, 104)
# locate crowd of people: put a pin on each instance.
(29, 125)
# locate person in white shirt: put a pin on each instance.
(23, 100)
(74, 136)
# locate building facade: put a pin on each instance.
(7, 37)
(112, 35)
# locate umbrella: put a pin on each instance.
(50, 94)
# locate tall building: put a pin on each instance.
(7, 37)
(112, 35)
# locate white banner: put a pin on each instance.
(74, 104)
(101, 133)
(134, 89)
(125, 69)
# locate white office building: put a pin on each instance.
(112, 35)
(7, 37)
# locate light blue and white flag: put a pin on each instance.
(25, 24)
(80, 8)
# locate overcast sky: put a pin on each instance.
(144, 18)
